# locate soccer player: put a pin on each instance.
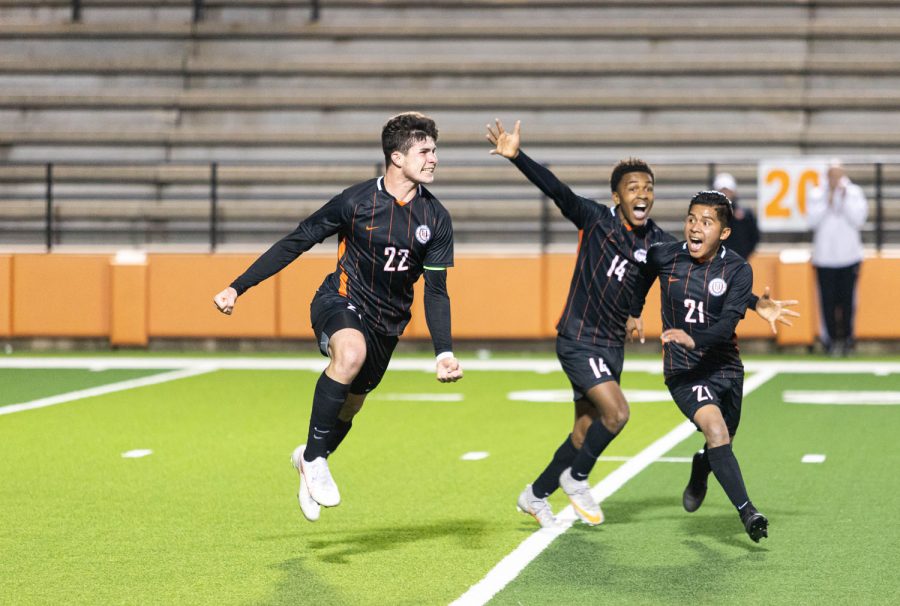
(391, 230)
(592, 328)
(591, 331)
(705, 291)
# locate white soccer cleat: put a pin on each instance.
(308, 506)
(537, 508)
(318, 478)
(579, 493)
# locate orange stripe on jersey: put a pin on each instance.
(342, 289)
(572, 294)
(400, 202)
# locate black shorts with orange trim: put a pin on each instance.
(330, 313)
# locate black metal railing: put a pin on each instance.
(219, 203)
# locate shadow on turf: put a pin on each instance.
(721, 526)
(335, 548)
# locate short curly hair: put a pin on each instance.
(631, 165)
(401, 131)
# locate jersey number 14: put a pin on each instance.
(617, 268)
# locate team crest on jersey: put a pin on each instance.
(423, 234)
(717, 287)
(640, 255)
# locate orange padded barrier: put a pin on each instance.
(60, 295)
(493, 297)
(129, 305)
(5, 295)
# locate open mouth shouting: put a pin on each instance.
(695, 244)
(640, 211)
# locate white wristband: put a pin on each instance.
(442, 355)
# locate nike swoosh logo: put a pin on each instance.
(370, 228)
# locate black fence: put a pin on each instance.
(215, 205)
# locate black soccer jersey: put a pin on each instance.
(383, 247)
(695, 296)
(606, 267)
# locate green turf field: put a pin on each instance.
(210, 515)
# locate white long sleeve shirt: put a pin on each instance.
(836, 225)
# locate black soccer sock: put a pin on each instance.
(548, 481)
(700, 469)
(727, 471)
(596, 440)
(338, 434)
(327, 402)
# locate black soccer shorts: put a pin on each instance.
(588, 365)
(330, 313)
(691, 392)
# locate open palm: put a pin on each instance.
(505, 143)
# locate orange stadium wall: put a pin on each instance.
(493, 296)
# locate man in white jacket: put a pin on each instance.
(836, 213)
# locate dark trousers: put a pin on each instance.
(837, 304)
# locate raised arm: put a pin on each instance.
(581, 211)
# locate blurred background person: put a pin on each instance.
(836, 213)
(744, 230)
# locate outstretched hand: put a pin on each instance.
(505, 143)
(772, 310)
(225, 300)
(449, 370)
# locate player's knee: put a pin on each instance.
(616, 419)
(716, 435)
(347, 359)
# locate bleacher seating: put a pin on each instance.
(682, 83)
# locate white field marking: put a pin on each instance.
(104, 389)
(318, 364)
(565, 395)
(659, 460)
(510, 566)
(813, 458)
(855, 398)
(137, 454)
(475, 455)
(418, 397)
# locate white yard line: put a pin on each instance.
(509, 567)
(104, 389)
(317, 364)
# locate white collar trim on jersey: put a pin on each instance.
(721, 254)
(380, 185)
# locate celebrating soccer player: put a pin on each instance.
(591, 332)
(705, 291)
(390, 231)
